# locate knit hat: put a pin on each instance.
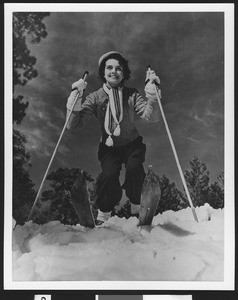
(104, 56)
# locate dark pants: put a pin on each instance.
(109, 189)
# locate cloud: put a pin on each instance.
(192, 140)
(199, 119)
(40, 129)
(41, 145)
(36, 142)
(40, 114)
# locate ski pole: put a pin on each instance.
(158, 94)
(56, 147)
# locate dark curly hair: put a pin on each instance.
(122, 61)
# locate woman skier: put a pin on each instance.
(114, 106)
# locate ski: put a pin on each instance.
(150, 197)
(80, 200)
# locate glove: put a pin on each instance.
(77, 91)
(149, 86)
(80, 85)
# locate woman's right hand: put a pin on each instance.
(77, 91)
(80, 85)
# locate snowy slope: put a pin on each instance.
(175, 247)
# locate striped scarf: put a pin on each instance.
(114, 113)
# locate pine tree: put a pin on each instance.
(216, 195)
(23, 192)
(171, 197)
(25, 25)
(221, 180)
(198, 182)
(58, 199)
(124, 211)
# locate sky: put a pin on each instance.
(186, 50)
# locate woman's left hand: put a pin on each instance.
(151, 77)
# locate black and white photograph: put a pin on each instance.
(119, 147)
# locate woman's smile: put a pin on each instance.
(113, 72)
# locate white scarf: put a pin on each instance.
(114, 113)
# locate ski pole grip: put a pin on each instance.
(85, 74)
(155, 82)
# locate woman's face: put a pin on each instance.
(113, 72)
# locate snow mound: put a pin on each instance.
(174, 247)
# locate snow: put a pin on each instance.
(175, 247)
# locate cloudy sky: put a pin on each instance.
(186, 49)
